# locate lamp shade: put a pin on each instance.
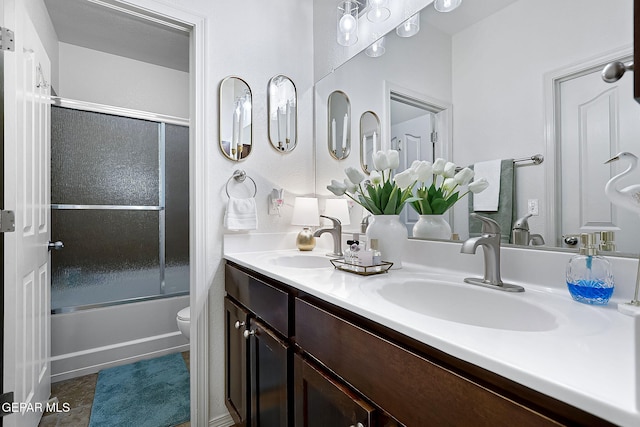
(410, 27)
(446, 5)
(376, 49)
(305, 212)
(347, 22)
(338, 208)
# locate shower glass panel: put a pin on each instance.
(120, 203)
(101, 159)
(176, 208)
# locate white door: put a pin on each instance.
(597, 121)
(27, 192)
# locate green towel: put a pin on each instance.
(506, 204)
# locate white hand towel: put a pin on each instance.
(241, 214)
(488, 200)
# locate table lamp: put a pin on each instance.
(305, 213)
(338, 208)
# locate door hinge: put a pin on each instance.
(4, 399)
(7, 221)
(7, 39)
(434, 137)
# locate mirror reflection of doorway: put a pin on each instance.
(596, 120)
(415, 131)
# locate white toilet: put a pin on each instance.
(184, 321)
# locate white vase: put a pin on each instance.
(392, 237)
(432, 227)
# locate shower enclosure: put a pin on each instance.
(120, 203)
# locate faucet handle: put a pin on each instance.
(488, 225)
(336, 221)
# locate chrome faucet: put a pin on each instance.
(520, 234)
(365, 223)
(336, 233)
(490, 242)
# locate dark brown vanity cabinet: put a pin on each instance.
(236, 362)
(258, 356)
(331, 367)
(322, 401)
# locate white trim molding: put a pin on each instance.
(222, 421)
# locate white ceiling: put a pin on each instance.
(100, 26)
(469, 12)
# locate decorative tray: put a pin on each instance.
(363, 270)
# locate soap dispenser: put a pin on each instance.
(589, 276)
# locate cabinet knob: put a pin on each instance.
(357, 425)
(248, 333)
(238, 324)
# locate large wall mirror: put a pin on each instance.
(502, 76)
(339, 125)
(283, 113)
(235, 118)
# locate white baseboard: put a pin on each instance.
(222, 421)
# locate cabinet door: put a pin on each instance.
(236, 362)
(269, 363)
(321, 401)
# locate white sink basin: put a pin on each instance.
(469, 305)
(302, 261)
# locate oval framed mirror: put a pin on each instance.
(369, 139)
(283, 113)
(235, 111)
(339, 141)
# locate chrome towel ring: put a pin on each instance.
(239, 175)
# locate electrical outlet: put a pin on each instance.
(532, 207)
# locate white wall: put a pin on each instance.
(498, 74)
(254, 40)
(103, 78)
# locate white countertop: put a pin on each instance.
(588, 360)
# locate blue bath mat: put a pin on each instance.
(148, 393)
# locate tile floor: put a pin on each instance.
(78, 392)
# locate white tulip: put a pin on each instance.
(464, 176)
(449, 184)
(423, 170)
(354, 175)
(405, 179)
(449, 170)
(394, 159)
(380, 161)
(350, 186)
(375, 177)
(478, 185)
(338, 188)
(438, 166)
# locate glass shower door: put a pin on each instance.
(112, 198)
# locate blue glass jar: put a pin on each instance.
(589, 276)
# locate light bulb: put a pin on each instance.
(446, 5)
(347, 23)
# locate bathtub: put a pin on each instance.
(87, 341)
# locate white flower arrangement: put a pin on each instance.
(383, 195)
